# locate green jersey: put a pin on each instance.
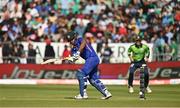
(175, 47)
(138, 53)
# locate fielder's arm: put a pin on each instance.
(147, 53)
(130, 54)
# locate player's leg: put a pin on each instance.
(82, 79)
(94, 81)
(146, 79)
(85, 87)
(83, 73)
(132, 69)
(142, 83)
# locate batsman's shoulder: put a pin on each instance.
(80, 38)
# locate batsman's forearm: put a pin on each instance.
(49, 61)
(83, 44)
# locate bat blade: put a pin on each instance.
(49, 61)
(56, 60)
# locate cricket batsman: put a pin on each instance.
(138, 54)
(81, 48)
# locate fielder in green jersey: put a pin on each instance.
(138, 54)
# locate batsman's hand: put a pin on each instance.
(76, 55)
(68, 60)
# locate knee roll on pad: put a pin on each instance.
(95, 82)
(80, 75)
(92, 82)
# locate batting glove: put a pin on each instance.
(76, 55)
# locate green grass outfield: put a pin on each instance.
(63, 96)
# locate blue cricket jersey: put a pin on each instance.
(88, 50)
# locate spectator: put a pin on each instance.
(90, 7)
(65, 5)
(1, 57)
(169, 34)
(177, 15)
(23, 56)
(174, 50)
(31, 54)
(16, 13)
(49, 51)
(6, 50)
(106, 53)
(34, 19)
(159, 45)
(133, 26)
(143, 26)
(122, 30)
(80, 29)
(34, 15)
(66, 53)
(16, 53)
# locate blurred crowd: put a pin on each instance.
(101, 21)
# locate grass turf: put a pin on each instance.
(63, 96)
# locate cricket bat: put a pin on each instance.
(55, 60)
(49, 61)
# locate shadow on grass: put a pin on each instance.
(72, 98)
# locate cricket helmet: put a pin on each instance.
(71, 35)
(138, 38)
